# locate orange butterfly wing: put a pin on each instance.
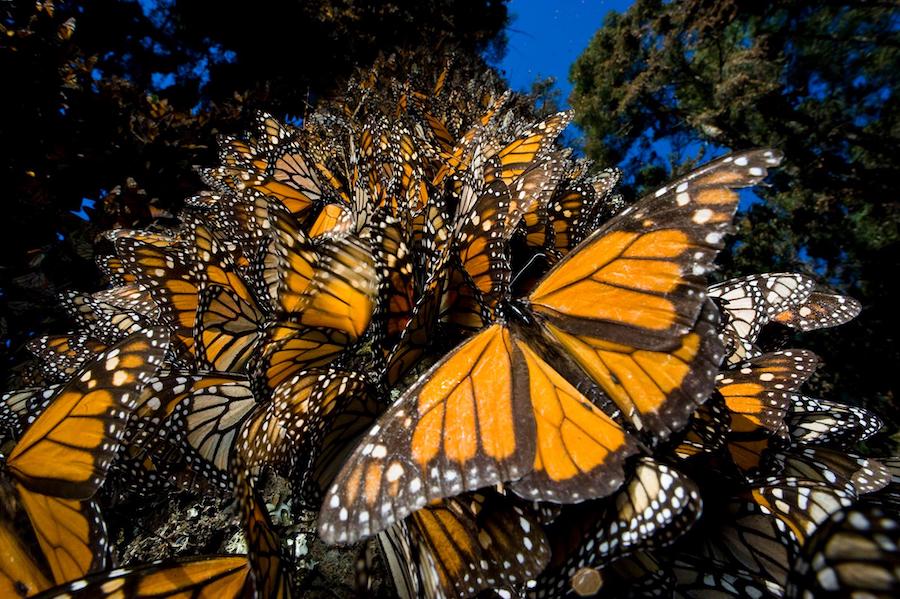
(209, 577)
(68, 448)
(20, 576)
(491, 411)
(626, 303)
(71, 533)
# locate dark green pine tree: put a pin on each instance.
(668, 84)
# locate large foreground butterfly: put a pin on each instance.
(626, 305)
(62, 458)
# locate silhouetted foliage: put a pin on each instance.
(666, 84)
(107, 104)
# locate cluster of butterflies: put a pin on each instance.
(451, 338)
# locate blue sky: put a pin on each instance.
(546, 36)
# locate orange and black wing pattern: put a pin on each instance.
(171, 281)
(70, 533)
(820, 310)
(627, 302)
(748, 303)
(20, 575)
(758, 395)
(463, 545)
(208, 577)
(228, 329)
(61, 356)
(491, 411)
(266, 559)
(291, 347)
(758, 392)
(341, 293)
(68, 448)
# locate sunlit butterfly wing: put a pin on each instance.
(20, 575)
(289, 262)
(292, 347)
(299, 184)
(748, 303)
(629, 298)
(227, 331)
(491, 411)
(171, 281)
(206, 424)
(516, 157)
(481, 248)
(290, 428)
(68, 448)
(820, 310)
(71, 533)
(334, 219)
(396, 287)
(758, 392)
(341, 293)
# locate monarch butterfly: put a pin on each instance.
(396, 287)
(331, 313)
(103, 313)
(170, 279)
(269, 577)
(706, 432)
(736, 532)
(855, 553)
(572, 212)
(819, 310)
(61, 356)
(463, 545)
(698, 578)
(801, 504)
(654, 507)
(748, 303)
(289, 263)
(206, 577)
(496, 410)
(18, 409)
(516, 157)
(62, 458)
(113, 269)
(229, 320)
(758, 394)
(297, 419)
(204, 426)
(825, 422)
(315, 412)
(832, 467)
